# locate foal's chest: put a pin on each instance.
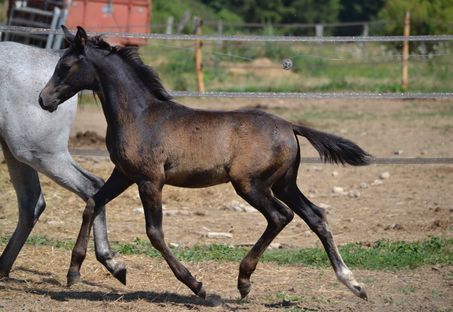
(127, 151)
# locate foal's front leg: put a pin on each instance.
(151, 196)
(115, 185)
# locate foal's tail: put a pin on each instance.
(334, 149)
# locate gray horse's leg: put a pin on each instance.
(31, 204)
(66, 172)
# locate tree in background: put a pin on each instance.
(428, 17)
(2, 11)
(251, 11)
(357, 11)
(285, 11)
(311, 11)
(163, 9)
(281, 11)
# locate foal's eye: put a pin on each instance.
(64, 68)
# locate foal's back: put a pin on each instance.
(216, 146)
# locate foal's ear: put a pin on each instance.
(67, 34)
(81, 38)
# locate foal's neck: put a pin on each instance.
(123, 94)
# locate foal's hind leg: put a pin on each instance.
(151, 196)
(31, 204)
(277, 216)
(114, 186)
(315, 218)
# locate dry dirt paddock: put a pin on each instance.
(396, 202)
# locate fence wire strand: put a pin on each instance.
(315, 95)
(247, 38)
(312, 160)
(299, 95)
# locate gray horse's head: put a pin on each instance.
(72, 74)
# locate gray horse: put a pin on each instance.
(35, 140)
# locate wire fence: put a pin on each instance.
(311, 160)
(291, 95)
(240, 38)
(316, 95)
(281, 39)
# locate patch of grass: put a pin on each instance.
(408, 290)
(64, 244)
(137, 246)
(381, 255)
(399, 255)
(38, 240)
(283, 296)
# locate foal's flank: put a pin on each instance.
(153, 141)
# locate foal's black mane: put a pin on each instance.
(130, 54)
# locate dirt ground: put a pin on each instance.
(397, 202)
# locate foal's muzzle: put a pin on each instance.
(50, 108)
(48, 103)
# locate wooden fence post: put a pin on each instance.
(364, 45)
(219, 32)
(405, 57)
(319, 30)
(365, 30)
(169, 26)
(198, 56)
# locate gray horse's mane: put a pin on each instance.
(130, 54)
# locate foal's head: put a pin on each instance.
(73, 72)
(79, 68)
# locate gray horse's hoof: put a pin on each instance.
(120, 274)
(244, 290)
(72, 278)
(360, 292)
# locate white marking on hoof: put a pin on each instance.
(347, 278)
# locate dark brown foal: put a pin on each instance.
(154, 141)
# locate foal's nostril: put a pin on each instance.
(41, 103)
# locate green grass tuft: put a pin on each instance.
(381, 255)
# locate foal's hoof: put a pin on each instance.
(120, 274)
(201, 292)
(72, 278)
(4, 274)
(245, 290)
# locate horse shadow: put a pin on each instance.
(111, 294)
(150, 296)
